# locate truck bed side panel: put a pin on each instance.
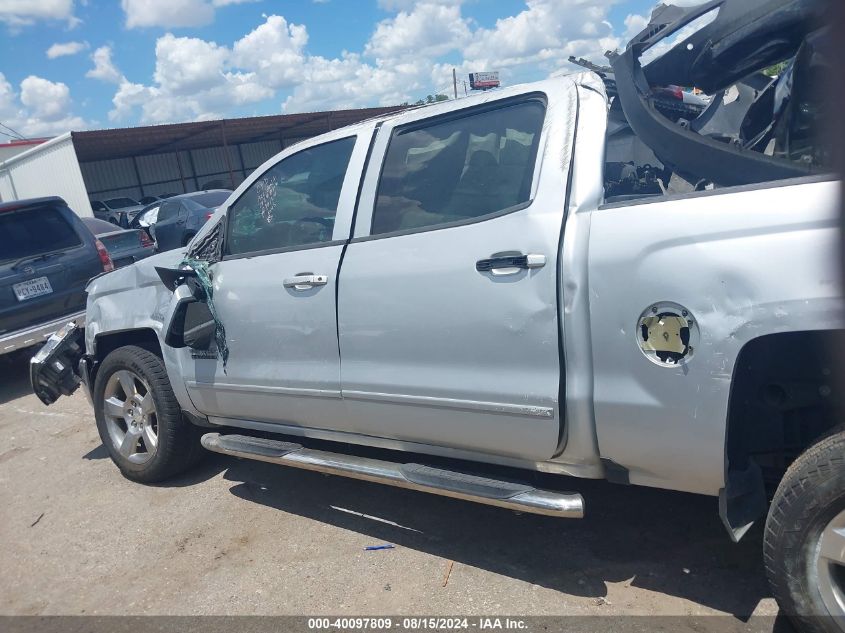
(745, 263)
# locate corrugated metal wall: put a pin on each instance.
(50, 169)
(175, 172)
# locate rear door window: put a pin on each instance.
(460, 169)
(30, 232)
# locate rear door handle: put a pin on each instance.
(306, 281)
(510, 264)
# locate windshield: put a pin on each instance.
(121, 203)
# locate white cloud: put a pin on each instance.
(193, 81)
(188, 64)
(408, 5)
(428, 30)
(350, 83)
(545, 34)
(167, 13)
(171, 14)
(18, 13)
(45, 99)
(104, 68)
(634, 24)
(409, 54)
(65, 49)
(42, 108)
(274, 50)
(128, 97)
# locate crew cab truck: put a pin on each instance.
(454, 281)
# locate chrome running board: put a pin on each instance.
(494, 492)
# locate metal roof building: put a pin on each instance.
(153, 160)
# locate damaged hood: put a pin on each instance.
(138, 275)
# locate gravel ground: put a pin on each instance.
(239, 537)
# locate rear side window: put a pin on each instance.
(36, 231)
(293, 203)
(459, 170)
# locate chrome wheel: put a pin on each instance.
(130, 416)
(830, 562)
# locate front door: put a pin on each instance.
(448, 308)
(275, 291)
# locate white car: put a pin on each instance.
(118, 211)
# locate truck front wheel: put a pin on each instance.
(804, 543)
(139, 419)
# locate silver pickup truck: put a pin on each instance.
(578, 276)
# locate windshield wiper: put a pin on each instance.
(34, 258)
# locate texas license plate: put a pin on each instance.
(32, 288)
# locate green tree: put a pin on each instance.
(776, 70)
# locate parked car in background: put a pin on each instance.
(100, 210)
(179, 218)
(47, 258)
(149, 200)
(146, 219)
(118, 211)
(126, 246)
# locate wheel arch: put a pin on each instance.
(783, 398)
(107, 342)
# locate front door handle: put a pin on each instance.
(305, 281)
(510, 264)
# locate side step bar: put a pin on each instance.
(505, 494)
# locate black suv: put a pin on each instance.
(47, 257)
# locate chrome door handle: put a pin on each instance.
(305, 281)
(510, 264)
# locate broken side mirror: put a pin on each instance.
(191, 322)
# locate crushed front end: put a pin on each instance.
(55, 369)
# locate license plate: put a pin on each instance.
(32, 288)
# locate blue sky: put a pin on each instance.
(87, 64)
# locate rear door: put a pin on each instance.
(448, 295)
(46, 259)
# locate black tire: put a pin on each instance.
(810, 496)
(186, 240)
(178, 440)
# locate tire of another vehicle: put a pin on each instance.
(187, 238)
(178, 441)
(809, 499)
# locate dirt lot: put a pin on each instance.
(240, 537)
